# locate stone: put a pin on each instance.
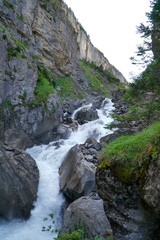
(131, 218)
(84, 115)
(97, 103)
(19, 178)
(106, 139)
(63, 131)
(87, 211)
(77, 176)
(151, 188)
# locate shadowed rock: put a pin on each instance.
(19, 177)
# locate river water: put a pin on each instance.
(50, 200)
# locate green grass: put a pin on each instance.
(44, 87)
(18, 43)
(68, 88)
(128, 155)
(94, 77)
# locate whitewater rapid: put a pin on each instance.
(50, 200)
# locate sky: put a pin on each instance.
(111, 25)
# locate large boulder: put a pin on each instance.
(86, 114)
(19, 177)
(87, 211)
(77, 174)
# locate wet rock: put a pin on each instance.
(97, 103)
(72, 124)
(19, 177)
(84, 115)
(62, 132)
(71, 106)
(77, 175)
(87, 211)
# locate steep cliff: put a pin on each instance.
(86, 48)
(41, 45)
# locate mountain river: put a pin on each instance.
(50, 200)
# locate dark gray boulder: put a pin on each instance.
(84, 115)
(89, 212)
(97, 103)
(19, 177)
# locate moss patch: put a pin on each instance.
(129, 156)
(44, 87)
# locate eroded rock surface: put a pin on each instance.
(131, 210)
(19, 177)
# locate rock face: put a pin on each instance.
(133, 211)
(87, 211)
(87, 50)
(77, 175)
(151, 188)
(35, 33)
(18, 183)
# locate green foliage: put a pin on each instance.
(67, 88)
(7, 4)
(79, 232)
(4, 36)
(148, 111)
(17, 43)
(94, 77)
(3, 106)
(44, 87)
(15, 52)
(26, 43)
(20, 17)
(74, 235)
(142, 96)
(127, 154)
(96, 74)
(8, 73)
(35, 56)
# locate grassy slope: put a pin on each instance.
(128, 156)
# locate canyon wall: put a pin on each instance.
(40, 42)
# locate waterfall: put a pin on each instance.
(50, 200)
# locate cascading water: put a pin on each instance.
(50, 200)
